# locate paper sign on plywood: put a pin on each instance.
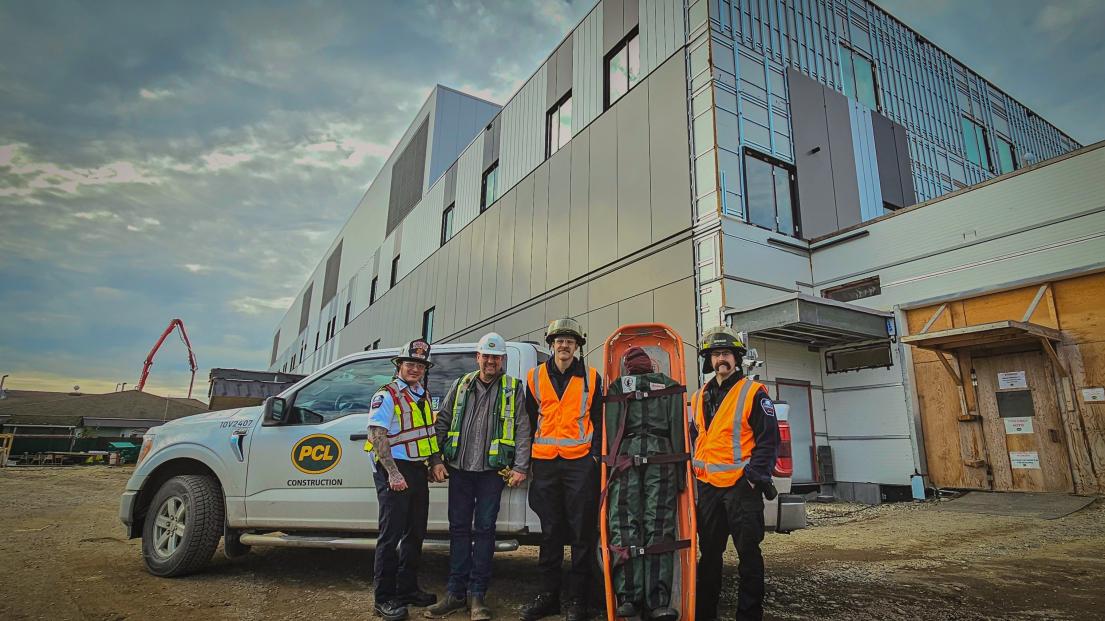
(1024, 460)
(1012, 379)
(1018, 425)
(1093, 395)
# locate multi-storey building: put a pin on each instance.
(678, 161)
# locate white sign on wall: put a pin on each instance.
(1024, 460)
(1092, 395)
(1017, 425)
(1012, 379)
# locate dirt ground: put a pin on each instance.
(63, 556)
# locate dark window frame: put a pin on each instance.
(428, 324)
(551, 146)
(372, 290)
(622, 46)
(792, 176)
(394, 271)
(831, 366)
(484, 203)
(348, 311)
(998, 141)
(447, 222)
(983, 147)
(855, 290)
(376, 344)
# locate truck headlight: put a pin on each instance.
(148, 442)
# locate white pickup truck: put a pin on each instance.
(294, 473)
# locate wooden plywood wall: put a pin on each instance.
(1074, 306)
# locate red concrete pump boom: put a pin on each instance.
(175, 323)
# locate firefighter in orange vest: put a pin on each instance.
(735, 438)
(564, 402)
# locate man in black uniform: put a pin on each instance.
(735, 437)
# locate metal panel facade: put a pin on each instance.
(523, 130)
(587, 70)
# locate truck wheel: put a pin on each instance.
(183, 525)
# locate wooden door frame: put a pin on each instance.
(813, 427)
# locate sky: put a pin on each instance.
(194, 160)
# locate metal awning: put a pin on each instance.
(813, 321)
(1006, 332)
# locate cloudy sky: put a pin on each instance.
(194, 160)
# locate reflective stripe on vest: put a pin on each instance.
(504, 432)
(564, 426)
(719, 453)
(416, 423)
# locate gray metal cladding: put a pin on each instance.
(663, 31)
(450, 195)
(330, 282)
(559, 73)
(523, 130)
(892, 153)
(560, 179)
(523, 242)
(587, 70)
(619, 18)
(603, 215)
(275, 347)
(668, 135)
(407, 176)
(491, 140)
(504, 268)
(867, 171)
(491, 234)
(634, 210)
(538, 262)
(579, 228)
(469, 177)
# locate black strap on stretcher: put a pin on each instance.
(621, 554)
(621, 463)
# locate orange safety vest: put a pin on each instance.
(722, 450)
(564, 426)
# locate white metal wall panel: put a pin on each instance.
(662, 30)
(587, 70)
(886, 461)
(421, 229)
(469, 178)
(747, 254)
(867, 413)
(522, 134)
(867, 168)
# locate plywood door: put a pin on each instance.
(1014, 452)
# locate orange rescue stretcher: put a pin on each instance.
(665, 348)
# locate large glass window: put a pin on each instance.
(558, 126)
(623, 68)
(859, 77)
(1007, 158)
(343, 391)
(447, 223)
(490, 187)
(974, 137)
(769, 185)
(428, 324)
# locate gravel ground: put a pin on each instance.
(64, 557)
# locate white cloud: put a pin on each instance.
(196, 268)
(249, 305)
(154, 94)
(100, 214)
(50, 177)
(218, 160)
(143, 224)
(347, 152)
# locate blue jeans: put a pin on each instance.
(473, 508)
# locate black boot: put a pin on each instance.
(626, 610)
(544, 605)
(664, 614)
(390, 611)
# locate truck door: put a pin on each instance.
(308, 473)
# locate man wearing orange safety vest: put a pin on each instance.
(735, 437)
(564, 402)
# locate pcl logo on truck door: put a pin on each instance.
(316, 454)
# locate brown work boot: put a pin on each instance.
(450, 604)
(479, 610)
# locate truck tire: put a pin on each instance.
(183, 525)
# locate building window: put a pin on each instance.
(316, 339)
(623, 68)
(490, 188)
(974, 136)
(293, 361)
(447, 223)
(558, 125)
(428, 324)
(394, 271)
(376, 344)
(858, 358)
(859, 77)
(1007, 157)
(850, 292)
(769, 186)
(348, 312)
(372, 291)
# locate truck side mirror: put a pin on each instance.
(275, 410)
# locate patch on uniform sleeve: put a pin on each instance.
(629, 384)
(768, 406)
(377, 401)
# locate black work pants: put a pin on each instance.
(402, 528)
(564, 493)
(736, 511)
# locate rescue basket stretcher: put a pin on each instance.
(647, 523)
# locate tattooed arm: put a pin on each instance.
(379, 438)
